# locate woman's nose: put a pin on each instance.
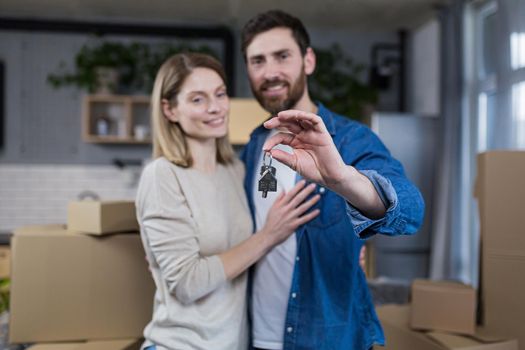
(213, 106)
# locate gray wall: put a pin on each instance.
(407, 257)
(43, 125)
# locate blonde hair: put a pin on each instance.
(169, 140)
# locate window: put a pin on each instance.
(517, 50)
(485, 79)
(486, 121)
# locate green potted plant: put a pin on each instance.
(337, 83)
(149, 59)
(111, 67)
(4, 294)
(98, 69)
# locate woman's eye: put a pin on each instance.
(221, 94)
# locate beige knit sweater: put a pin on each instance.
(186, 218)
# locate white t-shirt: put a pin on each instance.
(273, 273)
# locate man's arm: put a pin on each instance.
(316, 158)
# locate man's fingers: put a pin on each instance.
(272, 123)
(301, 116)
(292, 126)
(285, 158)
(276, 139)
(296, 121)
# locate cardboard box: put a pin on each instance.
(5, 261)
(125, 344)
(444, 306)
(503, 295)
(500, 189)
(399, 336)
(245, 115)
(479, 341)
(98, 217)
(67, 286)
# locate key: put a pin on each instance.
(268, 181)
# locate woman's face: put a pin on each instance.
(202, 106)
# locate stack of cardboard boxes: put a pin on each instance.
(443, 314)
(500, 190)
(87, 284)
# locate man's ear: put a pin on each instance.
(168, 110)
(309, 61)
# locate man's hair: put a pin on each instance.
(274, 19)
(169, 140)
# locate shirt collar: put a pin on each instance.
(328, 118)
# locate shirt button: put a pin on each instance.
(294, 295)
(289, 329)
(297, 258)
(322, 190)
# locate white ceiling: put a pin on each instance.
(366, 15)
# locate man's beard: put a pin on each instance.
(277, 104)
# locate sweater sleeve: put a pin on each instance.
(171, 236)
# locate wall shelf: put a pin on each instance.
(125, 119)
(120, 119)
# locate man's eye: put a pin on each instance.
(283, 56)
(197, 100)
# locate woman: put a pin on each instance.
(194, 218)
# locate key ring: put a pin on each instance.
(264, 158)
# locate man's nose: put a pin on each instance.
(272, 71)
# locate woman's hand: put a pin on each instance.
(289, 212)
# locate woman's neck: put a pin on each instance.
(204, 154)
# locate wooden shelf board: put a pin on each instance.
(115, 139)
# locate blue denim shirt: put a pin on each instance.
(332, 307)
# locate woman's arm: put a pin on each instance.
(171, 235)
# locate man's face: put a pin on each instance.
(276, 69)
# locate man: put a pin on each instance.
(309, 292)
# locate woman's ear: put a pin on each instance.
(309, 61)
(168, 110)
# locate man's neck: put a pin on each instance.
(306, 104)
